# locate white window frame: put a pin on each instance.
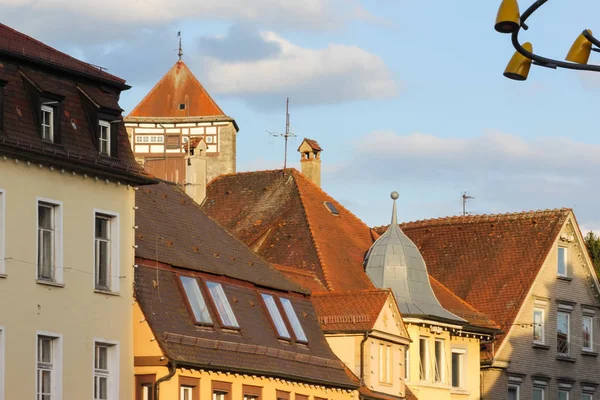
(542, 325)
(568, 314)
(2, 233)
(588, 315)
(424, 363)
(115, 256)
(183, 389)
(50, 110)
(221, 302)
(515, 386)
(406, 363)
(114, 352)
(2, 362)
(462, 374)
(588, 391)
(58, 239)
(565, 259)
(57, 359)
(442, 362)
(543, 389)
(385, 363)
(104, 124)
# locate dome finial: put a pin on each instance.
(394, 197)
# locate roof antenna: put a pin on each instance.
(180, 53)
(287, 133)
(465, 197)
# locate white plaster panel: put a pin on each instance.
(149, 130)
(211, 148)
(173, 151)
(173, 130)
(197, 131)
(147, 125)
(156, 149)
(184, 125)
(185, 131)
(130, 124)
(204, 124)
(220, 123)
(142, 148)
(168, 125)
(211, 129)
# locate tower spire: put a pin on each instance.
(394, 197)
(180, 52)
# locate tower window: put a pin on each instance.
(332, 209)
(182, 106)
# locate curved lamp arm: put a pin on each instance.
(548, 62)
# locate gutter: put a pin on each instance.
(172, 369)
(362, 357)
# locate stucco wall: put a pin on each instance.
(74, 311)
(529, 360)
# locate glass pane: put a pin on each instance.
(563, 395)
(439, 359)
(562, 258)
(275, 315)
(101, 357)
(587, 332)
(456, 369)
(102, 263)
(537, 326)
(512, 393)
(46, 382)
(190, 285)
(102, 388)
(562, 333)
(102, 228)
(423, 358)
(146, 392)
(293, 318)
(45, 217)
(223, 307)
(538, 394)
(45, 350)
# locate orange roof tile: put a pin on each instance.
(312, 143)
(307, 280)
(178, 86)
(489, 261)
(349, 311)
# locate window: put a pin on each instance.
(275, 316)
(538, 393)
(439, 360)
(221, 390)
(49, 247)
(149, 139)
(587, 392)
(182, 106)
(185, 393)
(222, 304)
(102, 248)
(563, 394)
(210, 139)
(104, 137)
(458, 368)
(188, 388)
(144, 386)
(252, 392)
(562, 261)
(587, 333)
(293, 318)
(332, 209)
(105, 371)
(48, 367)
(538, 325)
(423, 359)
(173, 142)
(513, 392)
(2, 231)
(406, 363)
(281, 395)
(48, 123)
(385, 363)
(587, 396)
(195, 299)
(563, 335)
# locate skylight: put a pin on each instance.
(195, 299)
(275, 316)
(293, 318)
(223, 307)
(329, 205)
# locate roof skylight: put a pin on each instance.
(332, 209)
(276, 316)
(196, 300)
(293, 318)
(222, 304)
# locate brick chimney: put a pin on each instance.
(310, 153)
(195, 172)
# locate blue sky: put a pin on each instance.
(402, 95)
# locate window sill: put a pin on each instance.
(589, 353)
(459, 391)
(3, 276)
(540, 346)
(566, 358)
(49, 283)
(107, 292)
(564, 278)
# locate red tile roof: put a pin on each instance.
(20, 45)
(307, 280)
(283, 218)
(312, 143)
(349, 311)
(178, 86)
(489, 261)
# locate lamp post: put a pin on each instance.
(509, 20)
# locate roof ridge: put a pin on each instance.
(230, 174)
(481, 217)
(352, 292)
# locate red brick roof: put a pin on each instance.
(489, 261)
(349, 311)
(283, 218)
(178, 86)
(20, 45)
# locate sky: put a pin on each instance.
(402, 95)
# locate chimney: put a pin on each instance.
(195, 172)
(310, 153)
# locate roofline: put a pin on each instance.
(198, 118)
(118, 84)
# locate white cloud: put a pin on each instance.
(333, 74)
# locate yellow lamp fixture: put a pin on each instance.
(508, 19)
(518, 67)
(581, 49)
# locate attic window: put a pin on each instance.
(182, 106)
(293, 318)
(222, 304)
(276, 316)
(195, 300)
(329, 205)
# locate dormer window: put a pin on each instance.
(104, 137)
(47, 123)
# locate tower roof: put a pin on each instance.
(395, 262)
(177, 94)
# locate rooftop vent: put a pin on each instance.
(329, 205)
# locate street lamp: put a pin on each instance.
(509, 20)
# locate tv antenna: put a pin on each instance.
(465, 198)
(287, 133)
(180, 52)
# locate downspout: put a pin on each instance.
(172, 369)
(362, 357)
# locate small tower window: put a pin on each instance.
(332, 209)
(182, 106)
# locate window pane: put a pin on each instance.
(293, 318)
(275, 315)
(538, 394)
(102, 357)
(512, 393)
(439, 360)
(102, 388)
(457, 369)
(562, 333)
(45, 350)
(563, 395)
(147, 392)
(190, 285)
(46, 382)
(587, 332)
(587, 396)
(423, 358)
(45, 217)
(538, 321)
(562, 261)
(223, 307)
(102, 263)
(102, 228)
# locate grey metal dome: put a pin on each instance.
(394, 262)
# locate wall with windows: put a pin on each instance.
(66, 284)
(443, 365)
(553, 345)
